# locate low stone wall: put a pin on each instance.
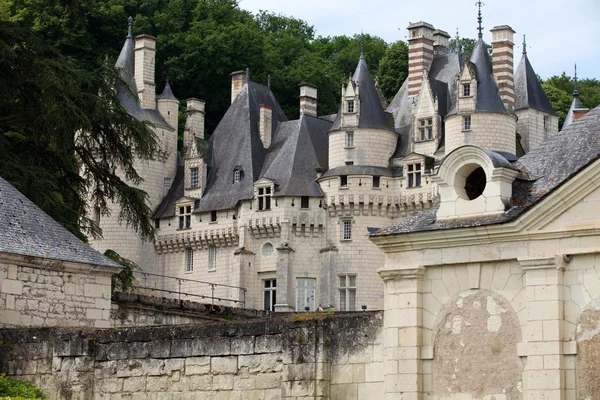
(130, 309)
(323, 357)
(35, 292)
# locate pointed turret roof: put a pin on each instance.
(372, 114)
(167, 93)
(528, 89)
(575, 104)
(488, 98)
(125, 62)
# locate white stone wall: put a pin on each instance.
(489, 131)
(535, 127)
(52, 295)
(371, 147)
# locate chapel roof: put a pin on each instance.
(27, 230)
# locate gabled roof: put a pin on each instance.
(236, 142)
(543, 169)
(528, 90)
(372, 114)
(299, 149)
(26, 230)
(488, 98)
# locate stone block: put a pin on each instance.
(11, 286)
(134, 384)
(223, 365)
(268, 380)
(222, 382)
(242, 345)
(197, 366)
(201, 383)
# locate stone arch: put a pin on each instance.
(587, 336)
(475, 347)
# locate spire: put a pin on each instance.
(479, 19)
(247, 74)
(167, 93)
(362, 52)
(130, 24)
(458, 49)
(269, 81)
(524, 46)
(575, 89)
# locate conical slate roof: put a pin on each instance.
(167, 93)
(372, 114)
(488, 98)
(528, 90)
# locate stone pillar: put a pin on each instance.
(242, 270)
(420, 54)
(544, 376)
(145, 52)
(285, 284)
(502, 63)
(308, 99)
(403, 325)
(327, 290)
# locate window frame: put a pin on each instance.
(376, 179)
(185, 216)
(194, 177)
(237, 176)
(414, 175)
(304, 202)
(212, 258)
(350, 106)
(189, 261)
(346, 234)
(343, 181)
(213, 216)
(466, 89)
(271, 290)
(347, 292)
(465, 126)
(263, 197)
(425, 130)
(349, 138)
(167, 183)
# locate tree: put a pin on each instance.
(467, 46)
(559, 90)
(64, 134)
(393, 68)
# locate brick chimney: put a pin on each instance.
(266, 125)
(420, 54)
(238, 78)
(145, 53)
(308, 99)
(502, 63)
(194, 124)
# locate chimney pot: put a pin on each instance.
(238, 79)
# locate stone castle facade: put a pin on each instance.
(284, 208)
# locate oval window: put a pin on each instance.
(267, 249)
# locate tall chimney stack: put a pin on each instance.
(266, 125)
(420, 54)
(502, 63)
(238, 78)
(194, 124)
(441, 38)
(145, 53)
(308, 99)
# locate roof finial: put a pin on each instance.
(575, 90)
(479, 19)
(362, 47)
(247, 74)
(524, 46)
(129, 24)
(457, 41)
(269, 81)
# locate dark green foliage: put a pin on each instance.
(559, 90)
(393, 68)
(18, 389)
(124, 280)
(467, 46)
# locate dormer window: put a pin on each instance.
(426, 129)
(467, 123)
(414, 175)
(194, 177)
(350, 106)
(344, 181)
(350, 139)
(238, 174)
(466, 89)
(185, 217)
(264, 198)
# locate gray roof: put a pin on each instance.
(166, 209)
(528, 90)
(127, 90)
(26, 230)
(575, 105)
(488, 98)
(167, 93)
(445, 67)
(542, 170)
(299, 148)
(236, 142)
(371, 111)
(401, 109)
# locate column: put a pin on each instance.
(403, 323)
(285, 278)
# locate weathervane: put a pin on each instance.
(480, 28)
(129, 24)
(457, 41)
(524, 46)
(575, 90)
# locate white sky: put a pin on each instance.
(559, 32)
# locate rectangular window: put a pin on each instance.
(466, 89)
(264, 198)
(347, 291)
(350, 106)
(167, 183)
(213, 216)
(376, 181)
(346, 230)
(414, 175)
(157, 223)
(343, 181)
(189, 260)
(350, 139)
(426, 129)
(467, 123)
(270, 294)
(306, 293)
(349, 162)
(185, 217)
(236, 176)
(304, 202)
(212, 258)
(194, 177)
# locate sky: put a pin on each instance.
(559, 33)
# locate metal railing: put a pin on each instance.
(187, 289)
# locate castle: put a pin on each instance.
(284, 208)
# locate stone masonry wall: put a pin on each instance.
(53, 296)
(322, 358)
(490, 131)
